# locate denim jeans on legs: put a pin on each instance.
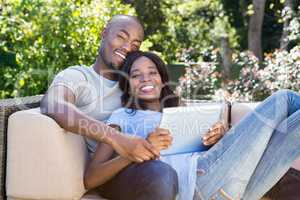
(255, 153)
(151, 180)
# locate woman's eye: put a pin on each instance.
(153, 73)
(135, 76)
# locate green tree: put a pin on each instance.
(184, 25)
(48, 36)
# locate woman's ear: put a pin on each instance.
(129, 91)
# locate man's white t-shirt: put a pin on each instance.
(95, 95)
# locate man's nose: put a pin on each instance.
(127, 47)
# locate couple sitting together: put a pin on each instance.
(117, 103)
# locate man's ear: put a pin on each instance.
(104, 33)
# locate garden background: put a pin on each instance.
(248, 48)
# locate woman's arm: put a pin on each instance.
(214, 134)
(217, 131)
(101, 168)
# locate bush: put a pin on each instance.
(48, 36)
(248, 85)
(281, 71)
(201, 79)
(293, 29)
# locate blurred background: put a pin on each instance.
(246, 48)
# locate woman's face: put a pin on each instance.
(144, 80)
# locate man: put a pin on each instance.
(80, 99)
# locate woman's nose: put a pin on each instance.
(145, 77)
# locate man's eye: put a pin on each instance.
(121, 37)
(135, 47)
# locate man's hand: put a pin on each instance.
(134, 148)
(214, 134)
(160, 138)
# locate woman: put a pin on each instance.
(245, 163)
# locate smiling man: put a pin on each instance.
(80, 99)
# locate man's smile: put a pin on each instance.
(121, 54)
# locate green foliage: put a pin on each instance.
(150, 12)
(38, 38)
(272, 26)
(185, 25)
(196, 25)
(48, 36)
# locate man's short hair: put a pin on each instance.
(121, 17)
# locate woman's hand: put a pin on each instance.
(160, 138)
(214, 134)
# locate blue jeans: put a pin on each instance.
(151, 180)
(255, 153)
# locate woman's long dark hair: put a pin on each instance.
(167, 97)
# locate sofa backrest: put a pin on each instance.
(240, 110)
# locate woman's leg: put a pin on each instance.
(229, 165)
(282, 150)
(142, 181)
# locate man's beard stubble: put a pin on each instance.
(113, 70)
(109, 65)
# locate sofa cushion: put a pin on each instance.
(43, 160)
(92, 195)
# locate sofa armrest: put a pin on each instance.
(43, 160)
(7, 107)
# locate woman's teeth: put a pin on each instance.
(121, 55)
(147, 88)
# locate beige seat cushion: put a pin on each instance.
(43, 161)
(88, 196)
(92, 195)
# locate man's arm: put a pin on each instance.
(58, 103)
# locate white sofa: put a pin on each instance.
(46, 162)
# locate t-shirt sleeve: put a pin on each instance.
(72, 79)
(117, 118)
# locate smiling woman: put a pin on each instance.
(145, 80)
(148, 82)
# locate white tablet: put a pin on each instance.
(188, 125)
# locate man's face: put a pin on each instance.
(118, 40)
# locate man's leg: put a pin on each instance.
(151, 180)
(228, 166)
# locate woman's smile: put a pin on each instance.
(147, 88)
